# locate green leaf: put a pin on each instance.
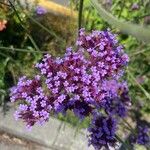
(138, 31)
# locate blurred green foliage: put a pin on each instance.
(13, 63)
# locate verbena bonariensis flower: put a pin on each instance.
(118, 101)
(135, 6)
(142, 136)
(105, 53)
(68, 81)
(102, 131)
(41, 10)
(83, 81)
(35, 104)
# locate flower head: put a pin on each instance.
(35, 105)
(102, 131)
(135, 6)
(142, 137)
(118, 101)
(84, 81)
(104, 52)
(40, 10)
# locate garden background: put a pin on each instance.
(27, 33)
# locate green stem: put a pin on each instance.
(139, 52)
(33, 42)
(129, 126)
(2, 91)
(124, 144)
(45, 28)
(22, 50)
(80, 14)
(4, 55)
(139, 85)
(22, 24)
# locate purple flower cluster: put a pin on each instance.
(35, 105)
(66, 79)
(102, 131)
(142, 137)
(83, 81)
(117, 105)
(105, 54)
